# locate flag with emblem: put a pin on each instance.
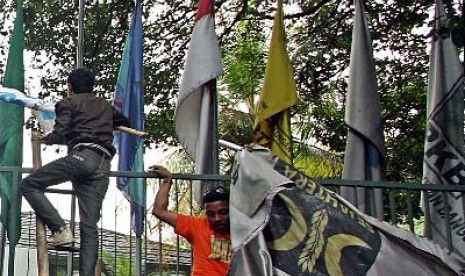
(272, 122)
(196, 113)
(444, 158)
(365, 152)
(11, 138)
(129, 100)
(287, 224)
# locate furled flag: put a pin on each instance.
(11, 138)
(129, 100)
(272, 122)
(195, 115)
(365, 152)
(287, 224)
(444, 158)
(43, 110)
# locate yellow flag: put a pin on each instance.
(272, 123)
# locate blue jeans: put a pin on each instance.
(88, 171)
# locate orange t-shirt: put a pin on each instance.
(212, 251)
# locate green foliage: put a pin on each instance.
(317, 164)
(245, 65)
(122, 264)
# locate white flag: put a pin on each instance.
(444, 160)
(364, 157)
(195, 112)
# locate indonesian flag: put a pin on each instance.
(195, 120)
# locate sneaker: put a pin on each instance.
(61, 237)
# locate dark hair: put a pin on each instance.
(81, 80)
(215, 194)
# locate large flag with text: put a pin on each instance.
(272, 122)
(444, 159)
(287, 224)
(129, 100)
(11, 137)
(365, 152)
(195, 115)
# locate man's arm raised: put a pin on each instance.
(160, 205)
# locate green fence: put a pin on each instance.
(164, 253)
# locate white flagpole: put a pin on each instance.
(229, 145)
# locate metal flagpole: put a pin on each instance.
(216, 163)
(79, 64)
(80, 41)
(229, 145)
(138, 256)
(2, 248)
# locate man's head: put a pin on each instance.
(81, 81)
(216, 203)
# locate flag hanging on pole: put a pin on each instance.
(129, 100)
(272, 122)
(444, 159)
(196, 113)
(365, 152)
(11, 137)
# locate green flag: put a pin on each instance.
(11, 135)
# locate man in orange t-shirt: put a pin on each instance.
(209, 236)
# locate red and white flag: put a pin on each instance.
(195, 118)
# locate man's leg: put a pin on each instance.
(90, 193)
(33, 186)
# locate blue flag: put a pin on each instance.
(129, 100)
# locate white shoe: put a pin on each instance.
(61, 237)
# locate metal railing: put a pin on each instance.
(164, 253)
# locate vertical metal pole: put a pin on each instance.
(79, 64)
(463, 35)
(214, 96)
(2, 248)
(80, 40)
(216, 163)
(15, 197)
(138, 268)
(69, 257)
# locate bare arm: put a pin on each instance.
(160, 205)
